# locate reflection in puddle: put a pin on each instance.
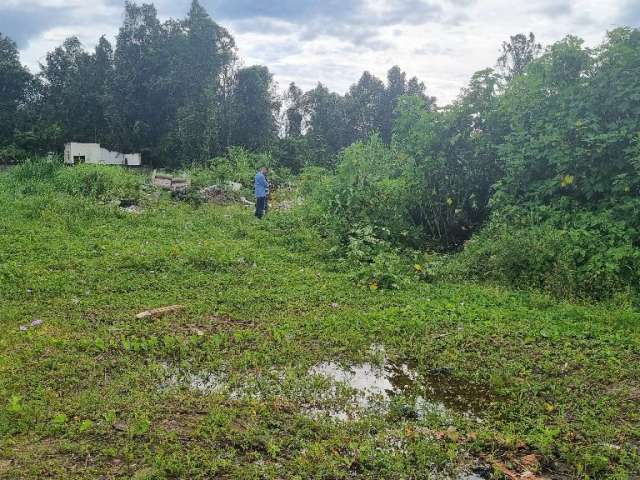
(433, 393)
(204, 382)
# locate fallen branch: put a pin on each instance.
(159, 312)
(442, 335)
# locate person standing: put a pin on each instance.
(262, 190)
(269, 189)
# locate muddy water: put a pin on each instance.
(434, 391)
(374, 387)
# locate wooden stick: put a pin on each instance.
(159, 312)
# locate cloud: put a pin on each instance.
(24, 20)
(333, 41)
(554, 8)
(288, 10)
(630, 14)
(21, 31)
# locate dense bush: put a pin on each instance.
(545, 160)
(369, 190)
(238, 165)
(454, 152)
(569, 255)
(570, 159)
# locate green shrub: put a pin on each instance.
(579, 255)
(34, 170)
(368, 189)
(100, 182)
(238, 165)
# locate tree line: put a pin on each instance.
(177, 92)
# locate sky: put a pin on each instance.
(442, 42)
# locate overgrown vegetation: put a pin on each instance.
(553, 153)
(447, 239)
(87, 390)
(97, 182)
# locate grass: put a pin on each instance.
(82, 395)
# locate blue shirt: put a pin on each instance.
(261, 185)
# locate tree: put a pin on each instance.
(295, 111)
(14, 84)
(201, 50)
(100, 78)
(142, 103)
(254, 103)
(327, 124)
(396, 87)
(71, 95)
(517, 53)
(365, 107)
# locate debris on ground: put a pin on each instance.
(159, 312)
(246, 202)
(214, 194)
(169, 182)
(36, 322)
(135, 209)
(524, 473)
(234, 186)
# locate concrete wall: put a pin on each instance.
(133, 159)
(90, 152)
(75, 152)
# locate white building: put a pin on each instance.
(75, 152)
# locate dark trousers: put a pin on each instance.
(261, 205)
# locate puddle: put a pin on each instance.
(454, 393)
(204, 382)
(369, 380)
(433, 392)
(352, 390)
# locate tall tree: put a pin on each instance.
(396, 87)
(295, 111)
(14, 83)
(142, 100)
(365, 106)
(327, 124)
(517, 53)
(254, 103)
(71, 94)
(202, 49)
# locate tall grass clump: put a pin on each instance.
(98, 182)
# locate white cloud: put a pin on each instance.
(441, 41)
(444, 53)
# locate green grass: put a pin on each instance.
(81, 395)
